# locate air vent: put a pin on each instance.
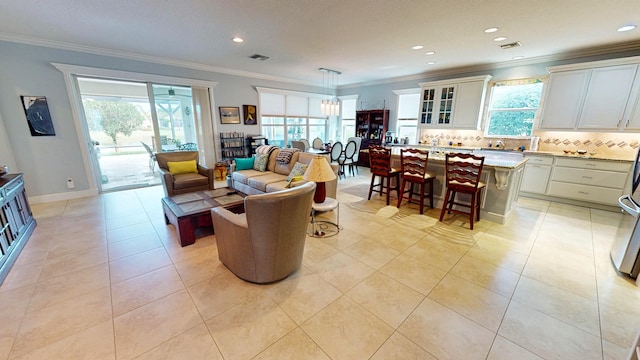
(511, 45)
(258, 57)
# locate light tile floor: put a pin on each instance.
(105, 278)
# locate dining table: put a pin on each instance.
(317, 151)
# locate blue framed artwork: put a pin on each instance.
(38, 117)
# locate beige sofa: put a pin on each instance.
(253, 182)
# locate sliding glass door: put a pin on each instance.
(128, 122)
(174, 111)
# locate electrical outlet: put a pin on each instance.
(70, 183)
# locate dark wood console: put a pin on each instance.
(16, 221)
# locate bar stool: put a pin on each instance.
(414, 171)
(380, 164)
(463, 176)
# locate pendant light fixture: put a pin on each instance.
(329, 106)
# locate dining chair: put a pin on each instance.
(298, 145)
(380, 164)
(413, 170)
(462, 174)
(347, 158)
(356, 157)
(306, 144)
(317, 143)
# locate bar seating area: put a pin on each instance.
(414, 171)
(380, 165)
(463, 176)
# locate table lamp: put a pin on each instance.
(319, 171)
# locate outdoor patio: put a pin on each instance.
(120, 171)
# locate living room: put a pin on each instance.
(443, 291)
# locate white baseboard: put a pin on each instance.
(62, 196)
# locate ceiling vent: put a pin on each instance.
(510, 45)
(258, 57)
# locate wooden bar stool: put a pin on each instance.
(463, 176)
(414, 171)
(380, 164)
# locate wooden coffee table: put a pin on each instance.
(189, 211)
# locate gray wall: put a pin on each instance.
(47, 161)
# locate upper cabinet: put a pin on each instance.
(454, 103)
(563, 99)
(597, 98)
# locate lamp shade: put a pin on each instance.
(319, 170)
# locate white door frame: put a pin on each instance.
(71, 71)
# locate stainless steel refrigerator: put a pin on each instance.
(626, 246)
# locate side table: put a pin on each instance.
(323, 228)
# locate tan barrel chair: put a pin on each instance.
(184, 183)
(266, 243)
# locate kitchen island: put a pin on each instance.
(502, 172)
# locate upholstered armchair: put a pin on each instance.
(183, 179)
(266, 243)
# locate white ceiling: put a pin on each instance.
(368, 40)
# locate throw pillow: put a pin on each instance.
(297, 170)
(260, 162)
(182, 167)
(285, 155)
(244, 163)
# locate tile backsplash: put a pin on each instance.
(618, 145)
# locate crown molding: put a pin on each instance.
(570, 55)
(146, 58)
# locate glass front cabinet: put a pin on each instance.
(453, 103)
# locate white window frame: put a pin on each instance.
(311, 99)
(489, 110)
(403, 120)
(347, 119)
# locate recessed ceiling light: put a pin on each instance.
(430, 62)
(430, 53)
(491, 29)
(626, 28)
(417, 47)
(518, 57)
(237, 39)
(500, 38)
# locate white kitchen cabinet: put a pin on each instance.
(589, 180)
(595, 96)
(563, 99)
(607, 96)
(536, 174)
(632, 113)
(454, 103)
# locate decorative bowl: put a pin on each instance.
(582, 152)
(4, 169)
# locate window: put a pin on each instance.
(348, 119)
(513, 107)
(407, 125)
(289, 115)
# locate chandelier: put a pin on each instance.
(330, 106)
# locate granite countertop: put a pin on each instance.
(496, 159)
(607, 157)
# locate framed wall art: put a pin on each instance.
(229, 115)
(38, 117)
(250, 114)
